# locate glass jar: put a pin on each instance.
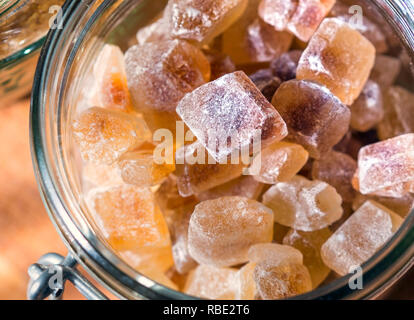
(64, 64)
(23, 26)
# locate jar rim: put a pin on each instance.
(22, 54)
(9, 8)
(388, 264)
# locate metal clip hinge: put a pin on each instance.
(49, 275)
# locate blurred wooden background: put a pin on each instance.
(25, 229)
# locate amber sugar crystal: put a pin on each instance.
(307, 17)
(200, 21)
(211, 282)
(300, 17)
(399, 116)
(156, 31)
(277, 12)
(316, 119)
(386, 168)
(385, 71)
(244, 186)
(336, 169)
(159, 277)
(281, 281)
(279, 162)
(338, 57)
(144, 258)
(159, 74)
(220, 63)
(168, 197)
(103, 135)
(309, 244)
(359, 237)
(401, 205)
(196, 172)
(246, 286)
(177, 212)
(274, 272)
(144, 168)
(277, 272)
(277, 253)
(368, 110)
(368, 28)
(235, 40)
(303, 204)
(111, 81)
(179, 234)
(128, 217)
(279, 232)
(100, 175)
(222, 230)
(265, 43)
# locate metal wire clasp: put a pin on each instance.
(49, 275)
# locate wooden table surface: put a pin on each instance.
(25, 229)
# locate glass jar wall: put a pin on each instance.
(63, 68)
